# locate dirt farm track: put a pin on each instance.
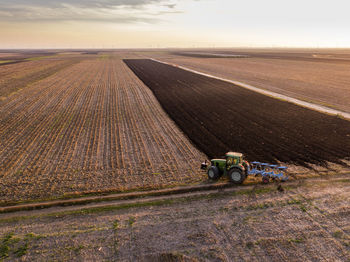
(307, 222)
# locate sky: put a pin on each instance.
(173, 23)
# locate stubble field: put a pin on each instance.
(90, 127)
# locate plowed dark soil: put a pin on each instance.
(218, 116)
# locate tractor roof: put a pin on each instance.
(234, 154)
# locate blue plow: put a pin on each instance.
(268, 171)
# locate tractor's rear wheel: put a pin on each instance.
(213, 173)
(236, 176)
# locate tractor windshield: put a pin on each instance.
(232, 161)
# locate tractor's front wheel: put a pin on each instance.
(236, 176)
(213, 173)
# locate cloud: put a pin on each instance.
(171, 6)
(78, 3)
(114, 11)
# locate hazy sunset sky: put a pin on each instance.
(173, 23)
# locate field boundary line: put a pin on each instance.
(316, 107)
(156, 198)
(156, 193)
(116, 196)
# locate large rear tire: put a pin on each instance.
(213, 173)
(236, 176)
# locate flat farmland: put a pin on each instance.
(79, 127)
(90, 127)
(318, 76)
(218, 116)
(19, 74)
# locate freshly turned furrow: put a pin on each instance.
(263, 128)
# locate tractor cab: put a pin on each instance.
(231, 165)
(233, 159)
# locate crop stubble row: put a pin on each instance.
(92, 127)
(17, 76)
(218, 116)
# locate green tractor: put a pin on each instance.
(232, 165)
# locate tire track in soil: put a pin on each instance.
(263, 128)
